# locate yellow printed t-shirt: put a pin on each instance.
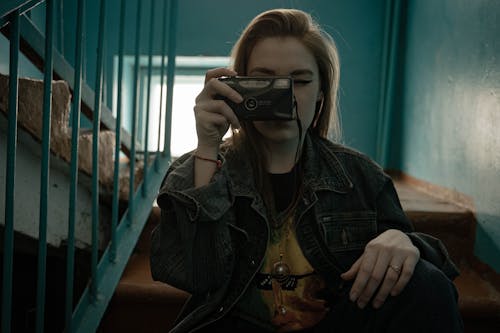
(284, 304)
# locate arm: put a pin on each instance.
(389, 260)
(392, 216)
(212, 122)
(191, 248)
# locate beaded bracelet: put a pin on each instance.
(217, 162)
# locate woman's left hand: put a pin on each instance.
(388, 261)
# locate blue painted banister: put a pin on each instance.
(63, 70)
(106, 270)
(172, 40)
(162, 74)
(96, 123)
(44, 177)
(8, 7)
(8, 249)
(116, 171)
(75, 133)
(135, 110)
(148, 97)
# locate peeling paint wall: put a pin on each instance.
(450, 105)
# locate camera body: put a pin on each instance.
(264, 98)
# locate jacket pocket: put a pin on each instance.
(348, 231)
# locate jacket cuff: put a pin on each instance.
(434, 251)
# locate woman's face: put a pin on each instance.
(287, 56)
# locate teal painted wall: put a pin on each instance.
(449, 131)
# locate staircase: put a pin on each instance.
(452, 220)
(142, 305)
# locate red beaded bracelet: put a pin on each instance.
(217, 162)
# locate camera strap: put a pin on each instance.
(299, 126)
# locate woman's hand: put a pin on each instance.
(388, 262)
(213, 116)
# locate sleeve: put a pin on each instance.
(391, 216)
(191, 247)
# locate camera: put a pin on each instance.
(264, 98)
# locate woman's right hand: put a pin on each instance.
(213, 116)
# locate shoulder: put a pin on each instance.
(359, 167)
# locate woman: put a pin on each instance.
(280, 229)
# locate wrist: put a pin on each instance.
(207, 151)
(216, 162)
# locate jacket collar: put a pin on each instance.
(322, 169)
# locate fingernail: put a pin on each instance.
(361, 305)
(353, 296)
(377, 304)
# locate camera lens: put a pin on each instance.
(251, 103)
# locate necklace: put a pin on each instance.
(281, 222)
(281, 272)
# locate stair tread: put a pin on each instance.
(137, 281)
(415, 200)
(478, 297)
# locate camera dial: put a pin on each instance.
(251, 103)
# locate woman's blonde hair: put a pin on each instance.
(300, 25)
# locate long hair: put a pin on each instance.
(300, 25)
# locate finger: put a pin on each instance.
(364, 273)
(209, 119)
(405, 276)
(210, 128)
(390, 280)
(375, 279)
(220, 107)
(215, 87)
(351, 273)
(218, 72)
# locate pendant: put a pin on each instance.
(281, 271)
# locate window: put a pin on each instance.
(188, 82)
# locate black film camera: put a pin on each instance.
(264, 98)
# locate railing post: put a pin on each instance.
(172, 39)
(75, 133)
(8, 251)
(44, 177)
(96, 123)
(148, 99)
(135, 110)
(116, 174)
(162, 74)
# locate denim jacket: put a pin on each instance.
(212, 240)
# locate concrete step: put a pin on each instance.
(449, 216)
(141, 304)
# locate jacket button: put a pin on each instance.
(221, 309)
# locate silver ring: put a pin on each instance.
(395, 268)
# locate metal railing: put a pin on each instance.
(106, 270)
